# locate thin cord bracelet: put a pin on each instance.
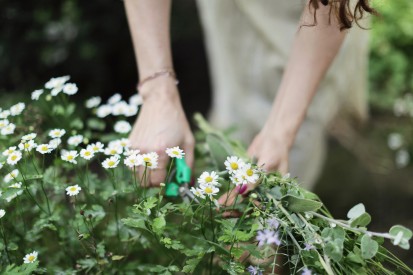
(167, 73)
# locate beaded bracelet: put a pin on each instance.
(166, 72)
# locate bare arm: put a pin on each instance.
(161, 122)
(313, 50)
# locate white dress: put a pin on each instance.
(248, 44)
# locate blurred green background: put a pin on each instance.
(90, 41)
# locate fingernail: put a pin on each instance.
(242, 189)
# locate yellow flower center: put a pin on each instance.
(69, 157)
(111, 163)
(175, 153)
(73, 189)
(234, 166)
(31, 258)
(14, 157)
(44, 148)
(87, 153)
(209, 179)
(149, 163)
(250, 172)
(26, 145)
(147, 159)
(208, 190)
(113, 151)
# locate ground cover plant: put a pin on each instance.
(72, 202)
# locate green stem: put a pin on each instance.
(3, 234)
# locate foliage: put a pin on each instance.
(391, 51)
(90, 214)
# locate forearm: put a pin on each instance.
(314, 48)
(149, 27)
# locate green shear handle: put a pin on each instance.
(182, 176)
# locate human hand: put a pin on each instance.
(161, 124)
(271, 150)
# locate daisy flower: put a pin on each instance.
(87, 153)
(75, 140)
(209, 190)
(54, 143)
(130, 110)
(14, 158)
(36, 94)
(233, 164)
(12, 175)
(113, 150)
(30, 258)
(8, 129)
(130, 152)
(73, 190)
(10, 150)
(56, 82)
(136, 100)
(57, 133)
(122, 127)
(70, 89)
(96, 147)
(133, 160)
(17, 109)
(44, 149)
(93, 102)
(175, 152)
(111, 162)
(151, 160)
(114, 99)
(123, 142)
(4, 114)
(247, 174)
(2, 213)
(198, 192)
(27, 146)
(13, 196)
(69, 156)
(103, 111)
(16, 185)
(207, 178)
(4, 123)
(29, 137)
(119, 108)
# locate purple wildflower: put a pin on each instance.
(267, 237)
(254, 270)
(273, 223)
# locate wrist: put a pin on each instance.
(160, 88)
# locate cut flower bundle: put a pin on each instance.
(72, 201)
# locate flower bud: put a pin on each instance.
(82, 212)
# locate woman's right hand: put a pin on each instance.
(161, 124)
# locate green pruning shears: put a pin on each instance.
(178, 180)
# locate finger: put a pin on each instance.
(228, 198)
(252, 149)
(283, 167)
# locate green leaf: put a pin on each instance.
(117, 257)
(401, 235)
(96, 124)
(159, 224)
(334, 242)
(362, 220)
(298, 205)
(356, 211)
(137, 223)
(369, 247)
(76, 124)
(150, 203)
(191, 264)
(220, 149)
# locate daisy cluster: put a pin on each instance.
(115, 106)
(6, 126)
(56, 85)
(208, 185)
(241, 172)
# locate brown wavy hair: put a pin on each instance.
(342, 10)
